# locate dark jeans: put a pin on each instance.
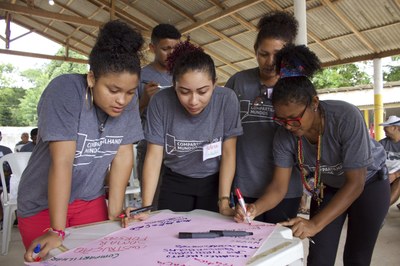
(365, 217)
(182, 194)
(285, 210)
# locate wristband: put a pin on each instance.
(223, 198)
(60, 233)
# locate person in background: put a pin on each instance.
(23, 142)
(328, 141)
(254, 160)
(87, 124)
(164, 38)
(7, 172)
(29, 146)
(3, 149)
(392, 147)
(192, 128)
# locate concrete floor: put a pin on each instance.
(386, 251)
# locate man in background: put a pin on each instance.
(392, 147)
(29, 146)
(154, 77)
(24, 141)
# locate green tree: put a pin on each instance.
(18, 107)
(394, 71)
(340, 76)
(9, 101)
(7, 73)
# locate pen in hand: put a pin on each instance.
(137, 211)
(35, 253)
(288, 219)
(242, 203)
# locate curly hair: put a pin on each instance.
(189, 57)
(164, 31)
(297, 89)
(116, 50)
(277, 25)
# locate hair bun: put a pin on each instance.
(120, 37)
(297, 58)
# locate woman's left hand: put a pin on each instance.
(301, 228)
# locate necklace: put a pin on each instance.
(103, 122)
(318, 186)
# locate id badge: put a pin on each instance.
(212, 150)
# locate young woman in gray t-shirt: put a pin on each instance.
(191, 128)
(329, 142)
(87, 124)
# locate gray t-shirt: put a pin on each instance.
(149, 73)
(183, 135)
(255, 162)
(64, 115)
(392, 154)
(345, 145)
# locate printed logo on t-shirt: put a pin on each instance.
(250, 113)
(336, 170)
(88, 149)
(181, 148)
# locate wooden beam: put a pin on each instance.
(362, 58)
(219, 15)
(236, 16)
(125, 15)
(323, 45)
(48, 36)
(44, 56)
(228, 40)
(49, 15)
(350, 25)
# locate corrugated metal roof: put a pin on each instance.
(339, 31)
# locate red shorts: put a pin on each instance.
(79, 212)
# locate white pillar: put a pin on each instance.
(300, 9)
(378, 102)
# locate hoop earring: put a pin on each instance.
(89, 90)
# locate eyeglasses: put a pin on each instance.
(293, 122)
(262, 97)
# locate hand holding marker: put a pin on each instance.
(35, 254)
(242, 203)
(137, 211)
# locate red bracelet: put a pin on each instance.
(60, 233)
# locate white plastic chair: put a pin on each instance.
(17, 162)
(132, 188)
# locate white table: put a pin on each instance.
(280, 248)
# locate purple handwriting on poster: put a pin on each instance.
(155, 242)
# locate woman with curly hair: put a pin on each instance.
(255, 163)
(329, 142)
(192, 129)
(87, 124)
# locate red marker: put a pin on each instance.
(242, 203)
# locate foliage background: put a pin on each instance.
(17, 104)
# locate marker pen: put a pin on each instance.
(137, 211)
(242, 203)
(231, 233)
(198, 235)
(35, 254)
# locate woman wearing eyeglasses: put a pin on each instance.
(254, 160)
(329, 141)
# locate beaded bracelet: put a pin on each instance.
(60, 233)
(223, 198)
